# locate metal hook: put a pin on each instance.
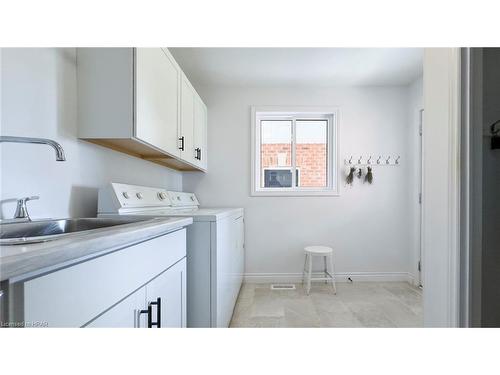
(369, 160)
(387, 160)
(378, 160)
(397, 160)
(359, 160)
(350, 160)
(492, 128)
(495, 138)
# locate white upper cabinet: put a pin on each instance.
(187, 121)
(138, 101)
(200, 132)
(193, 134)
(157, 102)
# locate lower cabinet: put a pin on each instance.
(159, 304)
(126, 314)
(138, 286)
(167, 293)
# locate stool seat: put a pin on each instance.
(318, 250)
(326, 253)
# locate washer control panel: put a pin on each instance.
(118, 196)
(182, 199)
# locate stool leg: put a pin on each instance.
(326, 270)
(304, 269)
(309, 274)
(333, 274)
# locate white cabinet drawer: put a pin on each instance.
(73, 296)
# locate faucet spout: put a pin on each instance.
(56, 146)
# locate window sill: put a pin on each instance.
(312, 193)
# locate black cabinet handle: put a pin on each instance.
(198, 153)
(182, 143)
(158, 313)
(149, 311)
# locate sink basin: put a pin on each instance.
(47, 230)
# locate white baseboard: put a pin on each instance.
(339, 277)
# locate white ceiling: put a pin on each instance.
(278, 67)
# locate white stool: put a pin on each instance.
(318, 251)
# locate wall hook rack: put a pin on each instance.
(367, 160)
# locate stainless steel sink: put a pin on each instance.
(46, 230)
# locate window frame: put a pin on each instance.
(331, 114)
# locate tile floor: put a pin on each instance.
(360, 304)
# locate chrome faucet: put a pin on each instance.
(57, 147)
(22, 210)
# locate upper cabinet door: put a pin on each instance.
(187, 121)
(200, 132)
(157, 103)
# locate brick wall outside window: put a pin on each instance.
(311, 161)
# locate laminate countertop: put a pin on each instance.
(21, 262)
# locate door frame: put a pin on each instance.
(442, 186)
(471, 197)
(420, 269)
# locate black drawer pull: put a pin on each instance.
(149, 311)
(157, 324)
(182, 143)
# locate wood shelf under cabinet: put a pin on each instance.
(135, 147)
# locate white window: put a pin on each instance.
(294, 151)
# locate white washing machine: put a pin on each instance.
(215, 246)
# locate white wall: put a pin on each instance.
(369, 226)
(38, 99)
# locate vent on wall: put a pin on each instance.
(282, 286)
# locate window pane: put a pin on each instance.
(275, 153)
(311, 153)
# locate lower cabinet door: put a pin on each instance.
(167, 295)
(125, 314)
